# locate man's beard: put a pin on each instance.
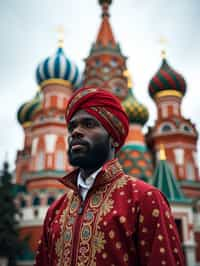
(92, 157)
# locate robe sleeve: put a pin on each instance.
(42, 252)
(158, 240)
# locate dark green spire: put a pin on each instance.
(166, 182)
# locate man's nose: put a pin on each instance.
(77, 131)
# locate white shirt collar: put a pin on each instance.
(89, 181)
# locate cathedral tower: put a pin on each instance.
(176, 133)
(106, 63)
(43, 159)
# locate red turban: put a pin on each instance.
(105, 107)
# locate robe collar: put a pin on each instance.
(109, 172)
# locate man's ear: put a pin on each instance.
(114, 144)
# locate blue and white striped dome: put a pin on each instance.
(58, 67)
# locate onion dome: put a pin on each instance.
(137, 112)
(58, 66)
(25, 112)
(167, 82)
(136, 161)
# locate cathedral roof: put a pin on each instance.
(167, 80)
(166, 182)
(136, 161)
(105, 41)
(58, 66)
(105, 36)
(136, 111)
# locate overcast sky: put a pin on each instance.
(28, 35)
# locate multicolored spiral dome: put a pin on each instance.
(58, 67)
(26, 111)
(167, 79)
(136, 111)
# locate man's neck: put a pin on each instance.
(85, 172)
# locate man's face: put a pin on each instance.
(89, 142)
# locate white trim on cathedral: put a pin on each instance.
(179, 156)
(50, 142)
(34, 145)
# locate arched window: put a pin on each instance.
(40, 161)
(113, 62)
(190, 171)
(22, 203)
(186, 128)
(62, 118)
(36, 213)
(36, 201)
(97, 62)
(166, 127)
(50, 200)
(60, 160)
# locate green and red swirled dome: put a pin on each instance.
(167, 79)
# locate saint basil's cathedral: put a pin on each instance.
(166, 156)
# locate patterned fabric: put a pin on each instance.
(105, 107)
(123, 221)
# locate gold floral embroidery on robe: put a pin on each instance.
(106, 207)
(99, 242)
(63, 243)
(92, 239)
(120, 183)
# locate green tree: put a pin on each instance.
(9, 242)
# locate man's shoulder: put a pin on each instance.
(144, 190)
(141, 186)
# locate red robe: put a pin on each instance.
(123, 221)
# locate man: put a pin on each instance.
(105, 217)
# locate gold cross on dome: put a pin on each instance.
(163, 42)
(61, 33)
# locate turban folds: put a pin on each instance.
(105, 107)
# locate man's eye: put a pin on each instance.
(70, 127)
(90, 123)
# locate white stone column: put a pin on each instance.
(189, 248)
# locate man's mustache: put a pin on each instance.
(78, 142)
